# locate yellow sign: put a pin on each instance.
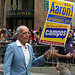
(58, 21)
(60, 12)
(54, 33)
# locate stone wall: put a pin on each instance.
(39, 14)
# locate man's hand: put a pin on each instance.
(73, 55)
(69, 55)
(48, 54)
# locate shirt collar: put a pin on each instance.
(19, 44)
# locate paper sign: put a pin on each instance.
(54, 33)
(58, 21)
(60, 12)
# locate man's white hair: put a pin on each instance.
(17, 31)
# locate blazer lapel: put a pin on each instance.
(21, 54)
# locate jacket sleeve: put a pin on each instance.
(8, 60)
(38, 61)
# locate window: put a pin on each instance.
(22, 4)
(11, 2)
(27, 4)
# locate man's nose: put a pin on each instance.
(27, 35)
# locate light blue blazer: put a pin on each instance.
(14, 60)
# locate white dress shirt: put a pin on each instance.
(25, 51)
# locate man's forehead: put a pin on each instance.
(24, 29)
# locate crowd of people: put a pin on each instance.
(7, 35)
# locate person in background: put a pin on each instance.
(14, 38)
(40, 31)
(31, 35)
(30, 41)
(72, 34)
(35, 40)
(64, 56)
(36, 34)
(7, 31)
(10, 31)
(6, 36)
(19, 56)
(10, 37)
(2, 35)
(38, 38)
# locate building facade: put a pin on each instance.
(19, 12)
(31, 13)
(2, 6)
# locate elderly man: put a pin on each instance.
(19, 56)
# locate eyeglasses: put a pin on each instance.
(26, 32)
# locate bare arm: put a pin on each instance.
(56, 54)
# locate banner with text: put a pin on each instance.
(58, 22)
